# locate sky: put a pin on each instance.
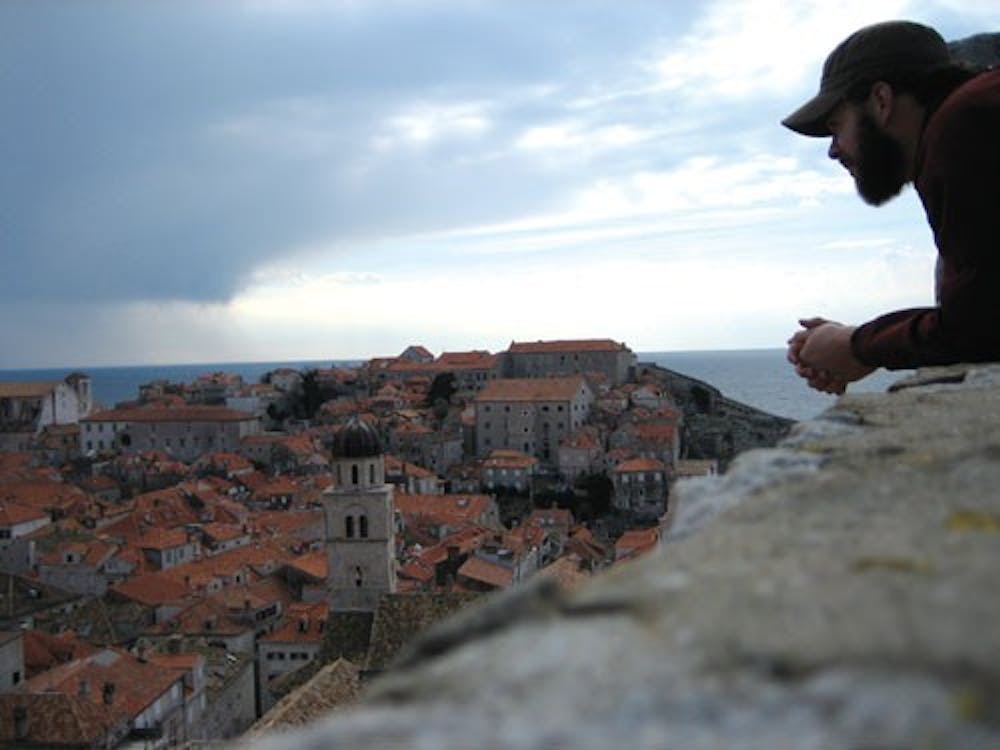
(265, 180)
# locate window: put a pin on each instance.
(363, 527)
(349, 527)
(354, 474)
(371, 473)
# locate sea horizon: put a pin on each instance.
(758, 377)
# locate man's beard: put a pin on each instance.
(880, 172)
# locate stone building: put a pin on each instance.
(531, 415)
(538, 359)
(28, 408)
(184, 433)
(360, 522)
(640, 488)
(291, 646)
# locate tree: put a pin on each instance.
(442, 388)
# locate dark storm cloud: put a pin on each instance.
(164, 151)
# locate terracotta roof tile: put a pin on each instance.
(27, 389)
(639, 464)
(58, 720)
(636, 542)
(487, 572)
(13, 514)
(444, 509)
(313, 564)
(581, 345)
(531, 389)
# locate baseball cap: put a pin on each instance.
(871, 52)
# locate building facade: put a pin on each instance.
(530, 415)
(538, 359)
(28, 408)
(640, 488)
(184, 433)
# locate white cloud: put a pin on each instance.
(738, 48)
(424, 123)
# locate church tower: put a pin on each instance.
(359, 520)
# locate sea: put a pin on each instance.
(758, 377)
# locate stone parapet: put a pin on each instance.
(837, 591)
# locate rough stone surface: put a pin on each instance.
(837, 591)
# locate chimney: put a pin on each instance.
(108, 693)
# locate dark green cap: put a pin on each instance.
(868, 54)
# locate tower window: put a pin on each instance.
(349, 527)
(363, 527)
(359, 578)
(371, 473)
(354, 474)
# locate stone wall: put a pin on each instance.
(837, 591)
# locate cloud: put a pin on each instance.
(739, 49)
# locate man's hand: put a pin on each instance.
(821, 353)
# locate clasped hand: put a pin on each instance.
(821, 354)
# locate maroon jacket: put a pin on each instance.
(958, 180)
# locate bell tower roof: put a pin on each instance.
(356, 439)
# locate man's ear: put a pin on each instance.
(881, 101)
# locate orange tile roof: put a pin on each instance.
(162, 539)
(42, 493)
(313, 564)
(12, 514)
(152, 589)
(43, 651)
(285, 521)
(509, 459)
(531, 389)
(57, 720)
(581, 345)
(640, 464)
(171, 414)
(551, 517)
(222, 532)
(487, 572)
(394, 465)
(637, 541)
(417, 570)
(466, 360)
(181, 662)
(566, 571)
(38, 389)
(200, 616)
(137, 684)
(443, 509)
(303, 623)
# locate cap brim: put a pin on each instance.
(810, 119)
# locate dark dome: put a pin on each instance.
(356, 439)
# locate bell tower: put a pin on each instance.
(359, 521)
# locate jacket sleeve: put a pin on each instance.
(959, 184)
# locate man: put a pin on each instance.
(898, 111)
